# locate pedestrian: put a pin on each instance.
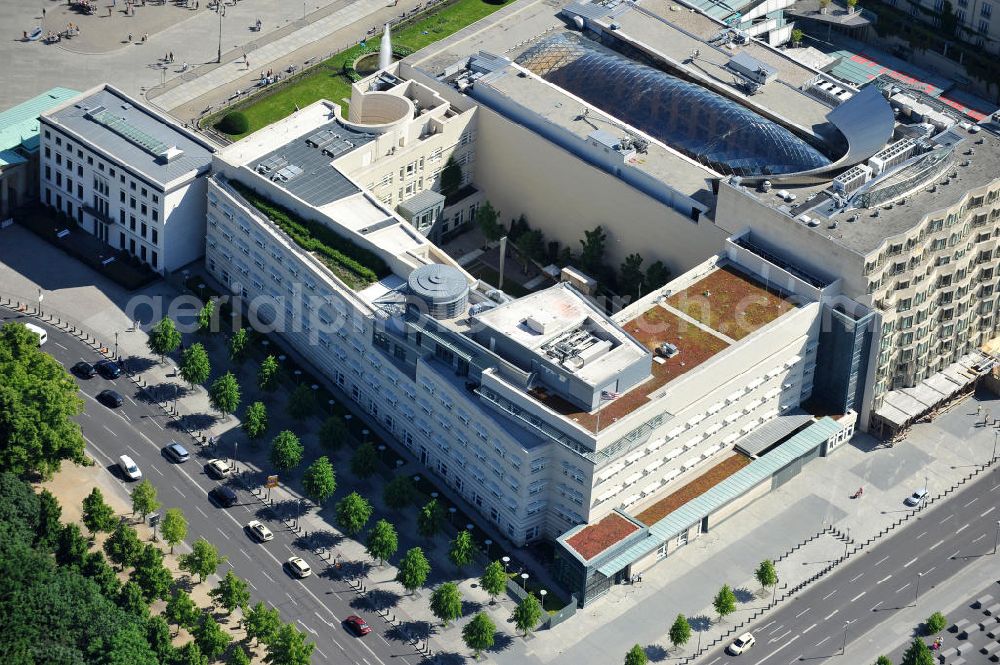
(171, 56)
(130, 38)
(979, 409)
(43, 12)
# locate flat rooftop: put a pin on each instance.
(868, 232)
(599, 536)
(133, 134)
(659, 509)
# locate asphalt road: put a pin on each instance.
(875, 584)
(316, 604)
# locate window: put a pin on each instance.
(986, 10)
(131, 223)
(984, 25)
(155, 235)
(143, 232)
(131, 202)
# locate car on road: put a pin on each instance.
(177, 452)
(917, 498)
(357, 625)
(218, 468)
(299, 567)
(110, 398)
(224, 496)
(259, 531)
(39, 332)
(84, 370)
(129, 468)
(741, 644)
(108, 369)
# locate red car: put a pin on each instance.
(357, 625)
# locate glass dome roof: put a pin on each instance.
(708, 127)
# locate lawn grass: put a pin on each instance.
(327, 80)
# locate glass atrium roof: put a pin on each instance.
(708, 127)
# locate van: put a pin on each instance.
(38, 330)
(129, 468)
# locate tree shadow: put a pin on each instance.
(700, 623)
(501, 642)
(140, 364)
(161, 392)
(285, 509)
(444, 658)
(356, 568)
(192, 421)
(471, 607)
(381, 599)
(655, 653)
(326, 539)
(407, 631)
(743, 595)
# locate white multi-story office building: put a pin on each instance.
(126, 174)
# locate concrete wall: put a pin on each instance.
(182, 233)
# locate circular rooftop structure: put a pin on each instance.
(443, 290)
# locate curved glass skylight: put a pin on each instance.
(708, 127)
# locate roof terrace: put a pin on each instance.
(599, 536)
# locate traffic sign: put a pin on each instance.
(272, 481)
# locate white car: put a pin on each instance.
(299, 567)
(916, 498)
(741, 644)
(259, 531)
(218, 468)
(129, 468)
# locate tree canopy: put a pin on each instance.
(413, 569)
(527, 614)
(255, 421)
(364, 461)
(173, 527)
(163, 338)
(224, 394)
(286, 451)
(461, 549)
(288, 646)
(766, 574)
(97, 514)
(399, 492)
(446, 602)
(195, 365)
(430, 519)
(320, 481)
(493, 580)
(333, 432)
(210, 637)
(181, 610)
(382, 541)
(238, 345)
(261, 622)
(680, 631)
(231, 592)
(123, 546)
(725, 601)
(267, 374)
(917, 653)
(479, 633)
(144, 499)
(151, 575)
(302, 402)
(38, 400)
(353, 512)
(636, 656)
(203, 559)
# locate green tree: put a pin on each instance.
(151, 575)
(527, 614)
(195, 366)
(680, 631)
(159, 638)
(636, 656)
(210, 637)
(261, 622)
(446, 602)
(430, 519)
(917, 654)
(255, 421)
(238, 656)
(123, 546)
(38, 401)
(224, 394)
(413, 569)
(333, 432)
(232, 592)
(531, 245)
(631, 279)
(202, 561)
(592, 253)
(49, 526)
(399, 492)
(883, 660)
(181, 610)
(174, 527)
(267, 374)
(353, 512)
(96, 567)
(302, 402)
(766, 574)
(71, 546)
(494, 580)
(97, 514)
(128, 646)
(163, 338)
(286, 451)
(487, 218)
(461, 550)
(451, 178)
(206, 317)
(382, 541)
(319, 481)
(288, 646)
(936, 623)
(725, 601)
(656, 275)
(479, 633)
(131, 600)
(238, 346)
(144, 498)
(364, 461)
(190, 654)
(797, 36)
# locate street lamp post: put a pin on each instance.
(175, 398)
(506, 562)
(116, 347)
(524, 581)
(916, 594)
(994, 455)
(221, 11)
(996, 541)
(236, 450)
(843, 649)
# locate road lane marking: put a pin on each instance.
(764, 627)
(971, 502)
(776, 629)
(224, 534)
(178, 491)
(921, 535)
(857, 577)
(910, 562)
(883, 559)
(858, 596)
(131, 401)
(827, 617)
(902, 587)
(962, 529)
(245, 553)
(808, 629)
(158, 471)
(994, 488)
(779, 637)
(829, 594)
(979, 538)
(60, 346)
(291, 598)
(955, 554)
(252, 585)
(992, 508)
(875, 606)
(109, 430)
(320, 652)
(203, 513)
(786, 644)
(886, 578)
(311, 630)
(268, 577)
(823, 640)
(946, 519)
(928, 571)
(802, 612)
(940, 542)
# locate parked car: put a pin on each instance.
(357, 625)
(259, 531)
(741, 644)
(129, 468)
(110, 398)
(299, 567)
(109, 369)
(84, 370)
(916, 498)
(224, 496)
(218, 468)
(177, 452)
